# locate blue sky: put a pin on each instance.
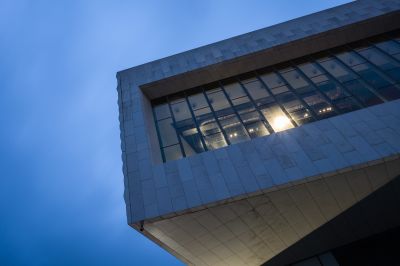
(61, 182)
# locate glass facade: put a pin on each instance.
(276, 99)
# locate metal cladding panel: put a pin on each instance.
(154, 190)
(207, 58)
(286, 224)
(296, 180)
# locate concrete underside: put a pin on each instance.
(255, 201)
(379, 212)
(254, 230)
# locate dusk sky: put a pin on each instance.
(61, 183)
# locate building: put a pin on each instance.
(276, 147)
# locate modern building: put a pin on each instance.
(276, 147)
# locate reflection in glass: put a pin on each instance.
(272, 80)
(167, 132)
(254, 125)
(215, 141)
(390, 47)
(162, 111)
(390, 92)
(276, 118)
(372, 76)
(172, 152)
(218, 100)
(275, 101)
(197, 101)
(318, 103)
(310, 69)
(191, 141)
(358, 89)
(379, 59)
(350, 58)
(290, 102)
(255, 89)
(320, 78)
(181, 111)
(296, 81)
(208, 125)
(347, 104)
(336, 70)
(234, 90)
(332, 90)
(279, 90)
(233, 128)
(394, 73)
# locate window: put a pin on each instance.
(202, 119)
(297, 82)
(379, 59)
(275, 116)
(218, 100)
(338, 71)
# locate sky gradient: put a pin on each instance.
(61, 183)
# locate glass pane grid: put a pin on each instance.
(198, 119)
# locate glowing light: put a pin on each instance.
(305, 115)
(235, 134)
(251, 130)
(281, 122)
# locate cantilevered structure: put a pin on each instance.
(277, 147)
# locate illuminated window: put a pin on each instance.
(269, 101)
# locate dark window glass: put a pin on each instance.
(337, 70)
(347, 104)
(279, 90)
(234, 90)
(244, 108)
(181, 111)
(317, 102)
(255, 89)
(172, 153)
(272, 80)
(390, 92)
(202, 111)
(240, 101)
(394, 73)
(320, 78)
(390, 47)
(297, 82)
(190, 138)
(350, 58)
(371, 75)
(191, 141)
(310, 69)
(198, 101)
(275, 101)
(162, 111)
(379, 59)
(332, 90)
(308, 262)
(358, 89)
(167, 132)
(327, 259)
(218, 100)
